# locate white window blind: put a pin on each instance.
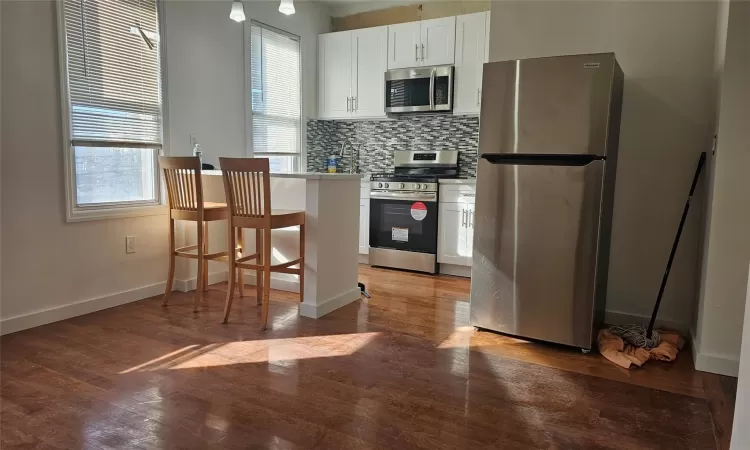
(114, 99)
(275, 82)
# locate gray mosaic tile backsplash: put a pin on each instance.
(380, 139)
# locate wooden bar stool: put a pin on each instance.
(185, 195)
(248, 193)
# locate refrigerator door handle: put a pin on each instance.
(541, 159)
(463, 217)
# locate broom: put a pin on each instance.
(638, 335)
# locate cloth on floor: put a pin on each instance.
(625, 355)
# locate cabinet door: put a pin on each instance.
(334, 74)
(403, 45)
(439, 41)
(364, 226)
(452, 234)
(471, 53)
(369, 63)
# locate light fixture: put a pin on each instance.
(286, 7)
(238, 12)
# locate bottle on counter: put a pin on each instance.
(331, 163)
(197, 150)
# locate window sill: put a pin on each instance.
(85, 215)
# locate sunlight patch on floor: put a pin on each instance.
(277, 351)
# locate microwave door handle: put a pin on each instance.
(432, 89)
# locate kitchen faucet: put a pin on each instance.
(353, 163)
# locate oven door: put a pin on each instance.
(404, 221)
(419, 89)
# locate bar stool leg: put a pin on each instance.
(232, 269)
(201, 262)
(205, 251)
(302, 263)
(241, 252)
(266, 278)
(259, 261)
(172, 257)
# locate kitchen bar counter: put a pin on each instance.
(331, 238)
(304, 175)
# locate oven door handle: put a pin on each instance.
(416, 196)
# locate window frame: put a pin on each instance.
(111, 210)
(301, 156)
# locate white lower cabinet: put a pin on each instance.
(455, 233)
(456, 225)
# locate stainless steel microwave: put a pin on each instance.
(421, 89)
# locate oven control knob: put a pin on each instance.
(402, 186)
(386, 185)
(380, 185)
(424, 186)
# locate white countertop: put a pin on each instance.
(303, 175)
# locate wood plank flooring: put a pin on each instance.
(401, 370)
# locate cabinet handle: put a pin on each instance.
(463, 217)
(416, 52)
(348, 99)
(477, 96)
(471, 218)
(354, 104)
(422, 52)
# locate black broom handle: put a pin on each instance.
(701, 162)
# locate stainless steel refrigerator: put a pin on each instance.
(548, 140)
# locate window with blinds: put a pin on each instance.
(275, 86)
(114, 100)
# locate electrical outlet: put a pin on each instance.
(129, 244)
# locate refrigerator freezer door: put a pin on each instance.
(535, 250)
(547, 105)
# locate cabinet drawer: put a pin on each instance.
(457, 193)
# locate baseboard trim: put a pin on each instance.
(191, 283)
(455, 270)
(721, 364)
(321, 309)
(623, 318)
(717, 363)
(219, 277)
(364, 258)
(56, 314)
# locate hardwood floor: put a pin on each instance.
(401, 370)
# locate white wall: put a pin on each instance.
(53, 269)
(724, 282)
(206, 70)
(740, 430)
(48, 263)
(666, 50)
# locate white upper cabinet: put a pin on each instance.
(472, 51)
(351, 68)
(334, 75)
(438, 41)
(370, 52)
(404, 41)
(425, 43)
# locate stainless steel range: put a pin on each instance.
(404, 210)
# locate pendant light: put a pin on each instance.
(286, 7)
(238, 12)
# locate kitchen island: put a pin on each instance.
(331, 237)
